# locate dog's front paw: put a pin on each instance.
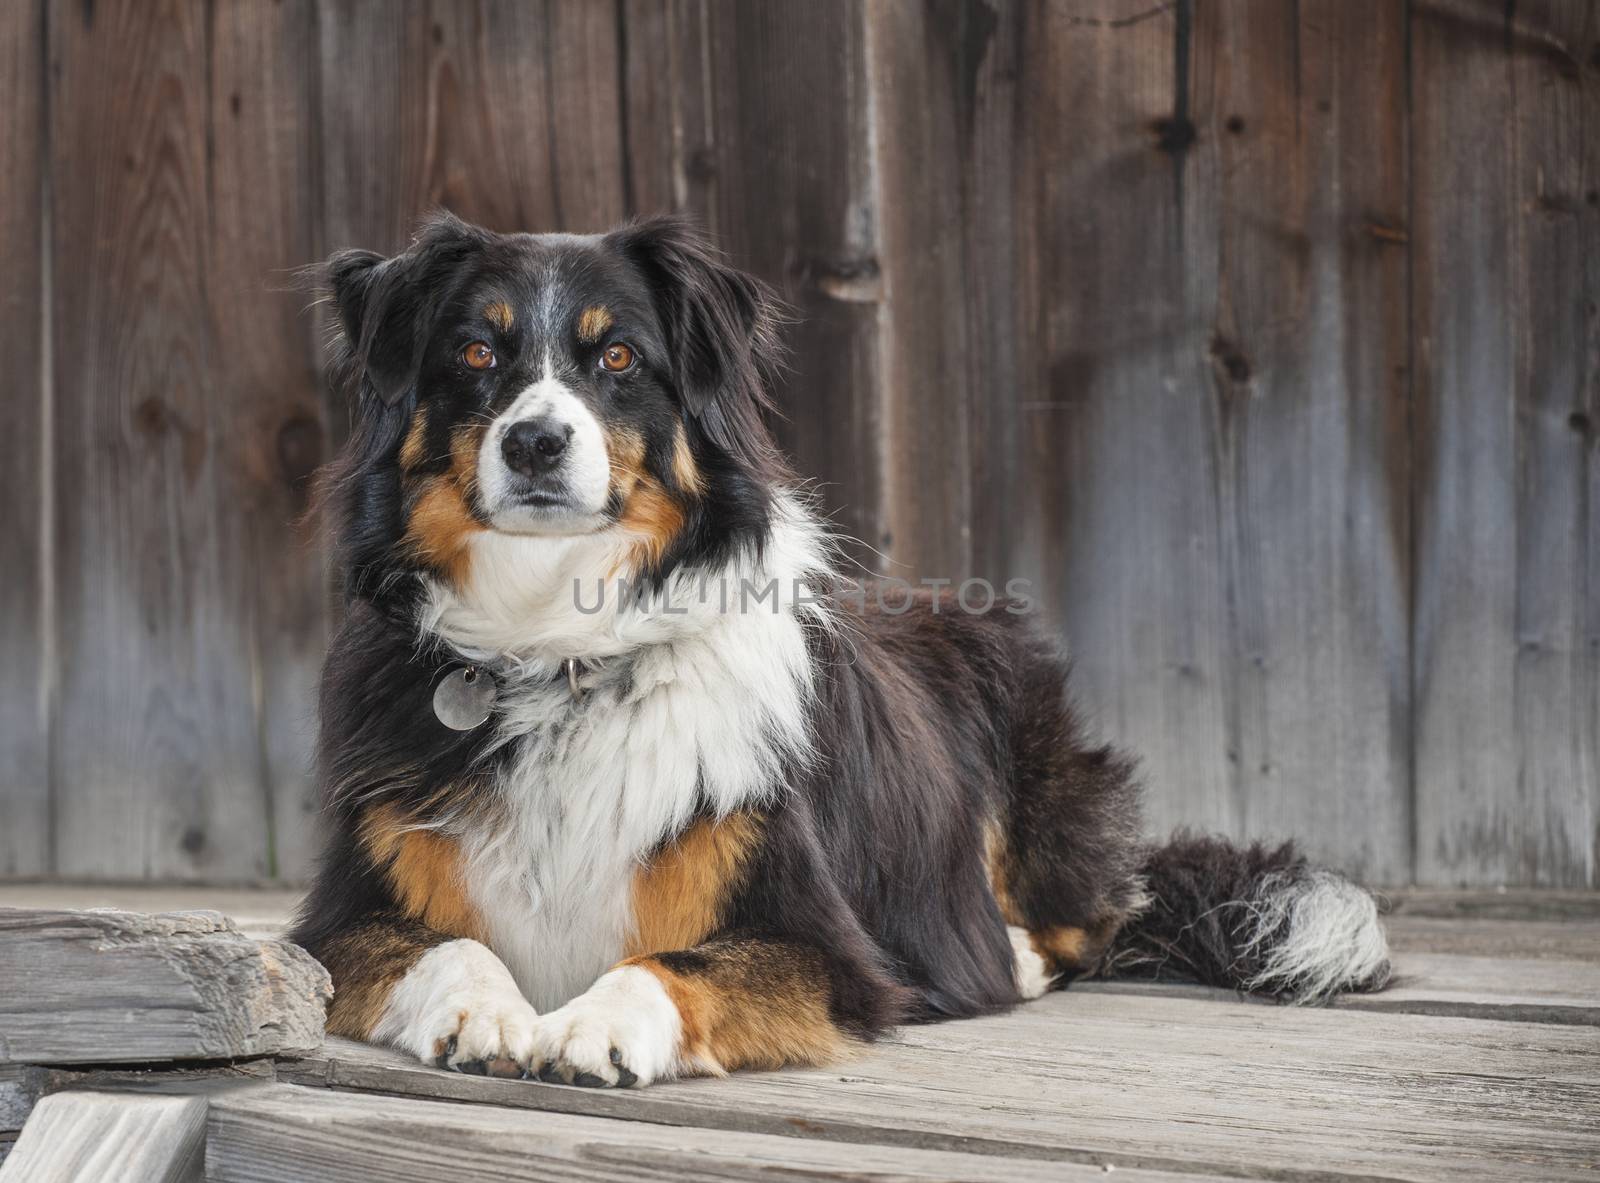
(459, 1008)
(623, 1031)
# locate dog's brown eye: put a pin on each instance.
(617, 358)
(478, 356)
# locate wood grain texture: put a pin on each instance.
(284, 1133)
(1318, 1093)
(504, 112)
(158, 759)
(110, 1137)
(1295, 191)
(1121, 533)
(23, 1085)
(25, 526)
(784, 178)
(274, 426)
(118, 987)
(1506, 246)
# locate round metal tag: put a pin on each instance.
(464, 698)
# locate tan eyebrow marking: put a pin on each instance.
(499, 315)
(593, 322)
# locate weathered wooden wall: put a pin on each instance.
(1262, 336)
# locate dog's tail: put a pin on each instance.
(1254, 918)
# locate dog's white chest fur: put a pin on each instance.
(699, 710)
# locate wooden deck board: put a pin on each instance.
(282, 1133)
(74, 1137)
(1133, 1081)
(1482, 1061)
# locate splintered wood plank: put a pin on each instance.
(502, 111)
(1505, 102)
(25, 538)
(1138, 1082)
(1295, 278)
(280, 1132)
(110, 1138)
(769, 144)
(158, 754)
(263, 374)
(22, 1085)
(119, 987)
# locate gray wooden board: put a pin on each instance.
(157, 764)
(1133, 1081)
(1521, 940)
(1508, 989)
(257, 911)
(25, 523)
(504, 112)
(79, 1137)
(22, 1085)
(283, 1133)
(1303, 432)
(1505, 248)
(1120, 531)
(117, 987)
(732, 117)
(263, 371)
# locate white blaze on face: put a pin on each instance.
(582, 480)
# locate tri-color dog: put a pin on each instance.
(621, 788)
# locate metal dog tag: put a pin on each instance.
(464, 698)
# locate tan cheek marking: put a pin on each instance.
(655, 517)
(441, 524)
(424, 870)
(649, 511)
(499, 315)
(440, 529)
(684, 469)
(680, 896)
(593, 322)
(464, 444)
(411, 451)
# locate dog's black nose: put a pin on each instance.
(534, 446)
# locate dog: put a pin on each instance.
(623, 784)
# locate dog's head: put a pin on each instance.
(552, 385)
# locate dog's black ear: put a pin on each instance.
(721, 323)
(386, 306)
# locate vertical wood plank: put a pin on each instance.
(770, 147)
(1506, 104)
(920, 65)
(24, 535)
(1121, 531)
(263, 377)
(1300, 197)
(666, 109)
(505, 112)
(158, 756)
(943, 100)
